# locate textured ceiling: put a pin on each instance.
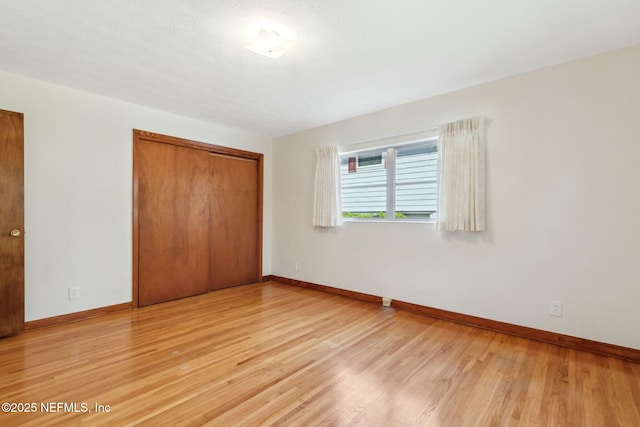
(349, 57)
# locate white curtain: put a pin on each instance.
(461, 170)
(327, 203)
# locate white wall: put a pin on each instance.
(78, 189)
(563, 206)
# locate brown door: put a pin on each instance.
(11, 223)
(235, 221)
(173, 222)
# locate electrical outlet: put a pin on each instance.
(556, 308)
(296, 266)
(74, 292)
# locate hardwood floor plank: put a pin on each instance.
(273, 354)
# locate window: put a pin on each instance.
(394, 182)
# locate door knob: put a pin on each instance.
(15, 233)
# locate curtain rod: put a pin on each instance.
(382, 138)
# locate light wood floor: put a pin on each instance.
(274, 354)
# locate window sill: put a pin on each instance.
(395, 221)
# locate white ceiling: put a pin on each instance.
(349, 57)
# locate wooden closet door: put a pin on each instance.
(235, 221)
(11, 223)
(173, 222)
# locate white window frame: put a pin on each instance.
(389, 159)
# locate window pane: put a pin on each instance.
(413, 174)
(364, 192)
(416, 188)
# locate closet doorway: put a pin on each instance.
(197, 218)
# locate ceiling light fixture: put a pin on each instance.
(268, 43)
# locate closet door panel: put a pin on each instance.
(173, 222)
(235, 221)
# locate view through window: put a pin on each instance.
(392, 183)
